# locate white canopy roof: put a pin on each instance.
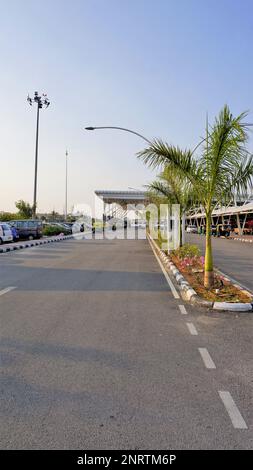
(122, 197)
(244, 209)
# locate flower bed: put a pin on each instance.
(190, 263)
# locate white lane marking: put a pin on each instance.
(7, 289)
(183, 310)
(192, 329)
(173, 289)
(207, 358)
(233, 412)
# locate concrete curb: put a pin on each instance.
(189, 294)
(27, 244)
(243, 240)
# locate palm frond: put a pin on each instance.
(162, 189)
(225, 148)
(242, 181)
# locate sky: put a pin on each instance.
(154, 66)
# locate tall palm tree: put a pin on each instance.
(175, 188)
(223, 167)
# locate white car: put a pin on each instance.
(5, 233)
(191, 229)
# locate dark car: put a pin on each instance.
(14, 233)
(27, 229)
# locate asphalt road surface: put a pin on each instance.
(232, 257)
(97, 353)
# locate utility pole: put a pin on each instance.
(40, 101)
(66, 187)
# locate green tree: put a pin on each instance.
(174, 188)
(6, 216)
(25, 210)
(223, 168)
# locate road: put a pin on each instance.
(96, 353)
(231, 257)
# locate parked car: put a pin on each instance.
(68, 224)
(5, 233)
(66, 229)
(28, 229)
(191, 229)
(14, 233)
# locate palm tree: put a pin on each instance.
(223, 167)
(24, 209)
(175, 189)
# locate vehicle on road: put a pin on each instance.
(5, 233)
(28, 229)
(191, 229)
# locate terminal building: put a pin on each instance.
(238, 214)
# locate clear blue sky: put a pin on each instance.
(156, 66)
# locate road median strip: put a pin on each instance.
(188, 293)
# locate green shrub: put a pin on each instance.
(6, 216)
(187, 251)
(51, 230)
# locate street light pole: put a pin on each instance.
(36, 163)
(66, 187)
(40, 101)
(91, 128)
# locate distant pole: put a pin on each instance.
(40, 101)
(36, 163)
(66, 187)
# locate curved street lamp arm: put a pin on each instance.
(121, 129)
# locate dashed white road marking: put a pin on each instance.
(7, 289)
(183, 310)
(173, 289)
(207, 358)
(233, 412)
(192, 329)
